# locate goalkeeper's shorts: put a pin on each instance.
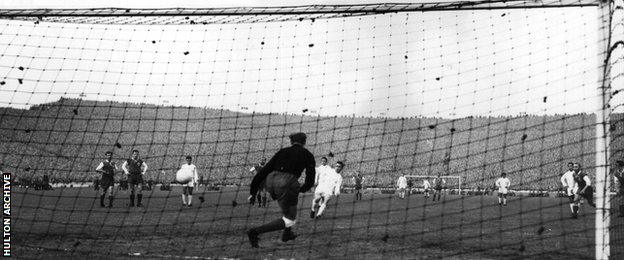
(284, 188)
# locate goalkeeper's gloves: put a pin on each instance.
(252, 199)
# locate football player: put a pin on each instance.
(135, 168)
(402, 185)
(280, 177)
(502, 184)
(328, 185)
(107, 182)
(187, 188)
(426, 187)
(569, 184)
(585, 190)
(262, 196)
(358, 180)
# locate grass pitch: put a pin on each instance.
(68, 223)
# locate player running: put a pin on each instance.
(187, 188)
(328, 185)
(438, 185)
(503, 184)
(135, 168)
(426, 187)
(358, 180)
(281, 174)
(402, 186)
(107, 182)
(585, 190)
(262, 196)
(569, 184)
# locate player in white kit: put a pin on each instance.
(503, 184)
(402, 186)
(571, 187)
(328, 185)
(190, 170)
(426, 187)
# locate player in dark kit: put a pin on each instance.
(281, 176)
(585, 189)
(359, 185)
(107, 168)
(262, 196)
(135, 168)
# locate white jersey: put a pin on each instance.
(321, 171)
(402, 182)
(329, 183)
(568, 182)
(426, 185)
(503, 185)
(191, 170)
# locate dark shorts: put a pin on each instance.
(571, 198)
(187, 190)
(107, 182)
(135, 179)
(588, 194)
(358, 187)
(284, 188)
(438, 188)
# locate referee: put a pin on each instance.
(281, 174)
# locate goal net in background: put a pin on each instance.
(469, 89)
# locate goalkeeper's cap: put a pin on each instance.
(108, 153)
(619, 163)
(298, 138)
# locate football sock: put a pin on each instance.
(110, 201)
(321, 208)
(139, 198)
(102, 200)
(183, 199)
(264, 201)
(575, 209)
(190, 199)
(131, 199)
(274, 225)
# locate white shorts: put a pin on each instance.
(503, 190)
(189, 184)
(322, 194)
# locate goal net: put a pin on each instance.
(469, 89)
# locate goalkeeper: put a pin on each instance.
(280, 176)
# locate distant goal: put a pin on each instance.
(451, 183)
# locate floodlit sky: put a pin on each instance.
(446, 64)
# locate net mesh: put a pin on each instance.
(469, 89)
